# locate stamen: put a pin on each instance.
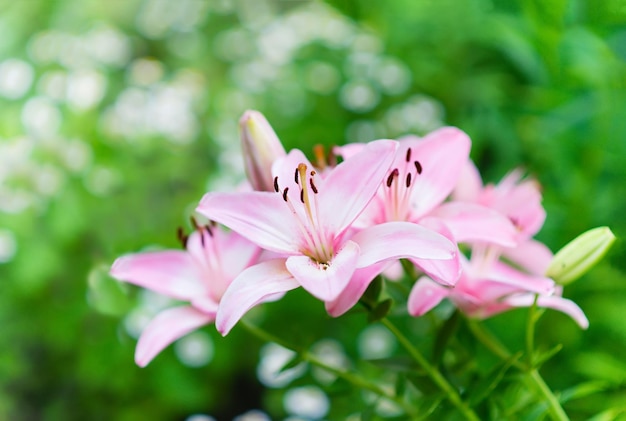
(408, 155)
(285, 193)
(295, 176)
(302, 195)
(408, 179)
(180, 234)
(208, 229)
(393, 174)
(320, 156)
(194, 223)
(312, 184)
(276, 184)
(418, 167)
(313, 173)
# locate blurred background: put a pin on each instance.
(115, 118)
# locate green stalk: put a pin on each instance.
(353, 378)
(451, 393)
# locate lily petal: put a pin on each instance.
(425, 295)
(471, 222)
(445, 272)
(261, 217)
(531, 255)
(325, 281)
(254, 285)
(506, 275)
(442, 155)
(169, 272)
(396, 240)
(353, 292)
(469, 184)
(165, 328)
(353, 183)
(554, 302)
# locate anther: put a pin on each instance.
(418, 167)
(408, 155)
(276, 184)
(295, 176)
(393, 174)
(302, 195)
(181, 236)
(320, 156)
(285, 193)
(408, 180)
(209, 230)
(312, 186)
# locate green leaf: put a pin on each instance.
(372, 293)
(380, 310)
(443, 336)
(398, 364)
(583, 389)
(105, 294)
(487, 384)
(293, 362)
(545, 356)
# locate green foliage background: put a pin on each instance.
(128, 114)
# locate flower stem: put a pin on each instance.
(490, 342)
(443, 384)
(556, 410)
(353, 378)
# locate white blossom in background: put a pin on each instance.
(16, 77)
(272, 359)
(309, 402)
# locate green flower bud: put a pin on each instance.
(261, 147)
(580, 255)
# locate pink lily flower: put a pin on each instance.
(199, 275)
(520, 201)
(486, 289)
(307, 221)
(423, 174)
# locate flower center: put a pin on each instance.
(397, 195)
(316, 243)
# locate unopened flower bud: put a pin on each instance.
(580, 255)
(261, 147)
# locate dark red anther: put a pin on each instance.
(302, 195)
(408, 180)
(393, 174)
(312, 186)
(181, 236)
(295, 176)
(209, 230)
(276, 184)
(285, 193)
(408, 155)
(418, 167)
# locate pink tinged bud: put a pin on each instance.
(580, 255)
(261, 147)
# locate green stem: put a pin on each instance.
(491, 343)
(443, 384)
(352, 378)
(556, 410)
(530, 333)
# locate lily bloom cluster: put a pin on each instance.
(333, 228)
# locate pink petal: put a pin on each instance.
(169, 272)
(325, 281)
(531, 255)
(506, 275)
(396, 240)
(353, 292)
(254, 285)
(469, 184)
(442, 155)
(351, 185)
(425, 295)
(262, 217)
(235, 252)
(554, 302)
(446, 272)
(470, 222)
(165, 328)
